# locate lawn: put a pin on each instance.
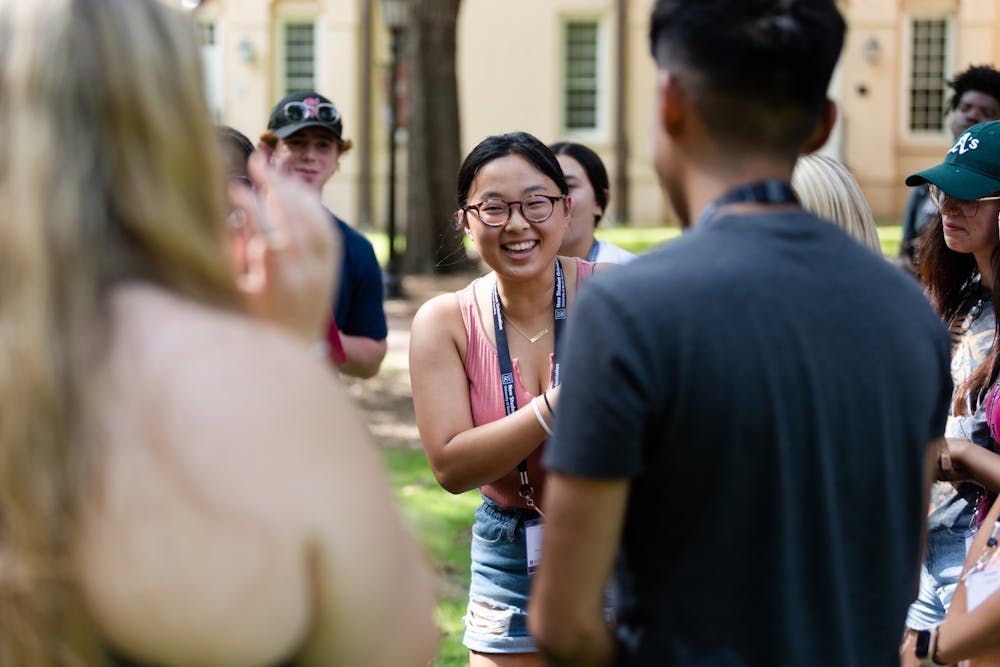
(443, 521)
(641, 239)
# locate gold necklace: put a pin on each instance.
(531, 339)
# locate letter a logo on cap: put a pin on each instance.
(965, 144)
(971, 168)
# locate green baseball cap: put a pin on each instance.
(971, 169)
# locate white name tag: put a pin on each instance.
(533, 540)
(981, 585)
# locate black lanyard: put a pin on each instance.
(507, 367)
(762, 192)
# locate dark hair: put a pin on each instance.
(500, 145)
(983, 78)
(944, 273)
(757, 70)
(947, 275)
(592, 166)
(235, 139)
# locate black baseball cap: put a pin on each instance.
(304, 109)
(971, 169)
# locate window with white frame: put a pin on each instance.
(211, 63)
(206, 33)
(581, 42)
(299, 57)
(929, 50)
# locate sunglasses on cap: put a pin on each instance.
(297, 112)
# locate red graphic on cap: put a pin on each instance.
(312, 107)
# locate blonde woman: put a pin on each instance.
(827, 187)
(179, 484)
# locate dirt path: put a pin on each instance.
(386, 398)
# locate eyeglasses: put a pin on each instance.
(496, 212)
(300, 111)
(967, 207)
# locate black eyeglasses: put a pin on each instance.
(300, 111)
(496, 212)
(967, 207)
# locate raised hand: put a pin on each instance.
(285, 250)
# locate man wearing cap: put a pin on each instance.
(957, 271)
(304, 138)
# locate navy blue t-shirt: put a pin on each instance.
(769, 387)
(358, 310)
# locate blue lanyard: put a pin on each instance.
(507, 367)
(762, 192)
(594, 249)
(503, 348)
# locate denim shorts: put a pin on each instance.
(496, 618)
(939, 575)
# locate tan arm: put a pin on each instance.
(583, 525)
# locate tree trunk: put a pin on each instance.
(433, 240)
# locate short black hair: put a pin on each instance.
(757, 70)
(592, 166)
(500, 145)
(235, 139)
(982, 78)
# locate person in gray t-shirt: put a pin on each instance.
(745, 414)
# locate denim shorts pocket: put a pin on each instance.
(488, 528)
(959, 533)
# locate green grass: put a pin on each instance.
(642, 239)
(889, 236)
(443, 523)
(637, 239)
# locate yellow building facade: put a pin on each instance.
(580, 70)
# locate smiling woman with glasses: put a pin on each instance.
(484, 371)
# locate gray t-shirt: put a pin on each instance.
(769, 387)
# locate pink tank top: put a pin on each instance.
(482, 367)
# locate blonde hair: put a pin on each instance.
(826, 187)
(109, 174)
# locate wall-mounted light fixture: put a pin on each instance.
(245, 51)
(190, 4)
(872, 51)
